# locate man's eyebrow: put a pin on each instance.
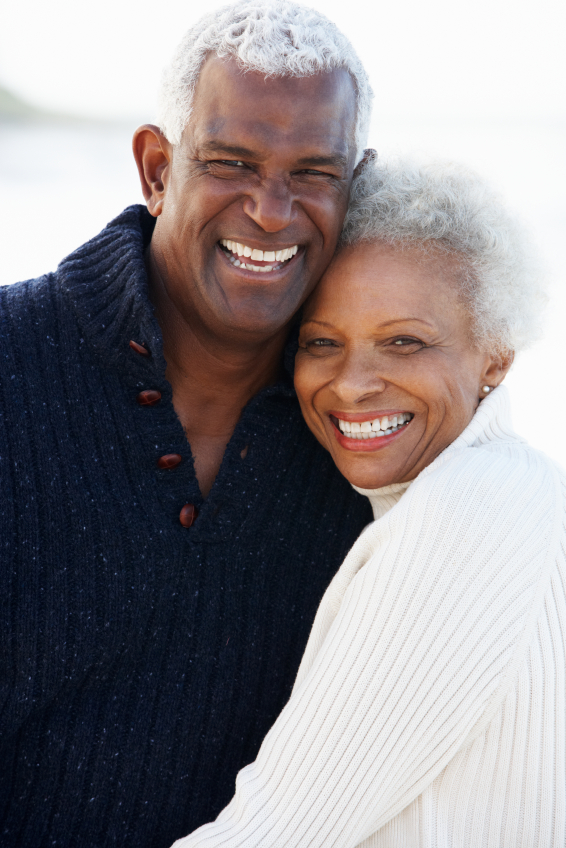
(216, 145)
(339, 160)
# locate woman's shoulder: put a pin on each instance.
(498, 507)
(488, 453)
(505, 474)
(498, 501)
(482, 524)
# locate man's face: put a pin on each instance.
(264, 165)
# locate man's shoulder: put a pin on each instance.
(18, 294)
(102, 279)
(26, 306)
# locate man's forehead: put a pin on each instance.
(228, 67)
(315, 113)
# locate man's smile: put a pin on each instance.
(254, 259)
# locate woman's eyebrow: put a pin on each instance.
(314, 321)
(404, 320)
(383, 325)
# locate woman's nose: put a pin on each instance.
(358, 380)
(270, 205)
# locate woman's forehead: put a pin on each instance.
(373, 275)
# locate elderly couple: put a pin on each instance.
(174, 511)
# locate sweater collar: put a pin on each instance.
(106, 281)
(491, 423)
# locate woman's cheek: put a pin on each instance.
(307, 379)
(307, 385)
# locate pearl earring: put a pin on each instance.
(486, 389)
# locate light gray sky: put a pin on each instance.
(426, 58)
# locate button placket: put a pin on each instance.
(169, 461)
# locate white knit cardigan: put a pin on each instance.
(429, 708)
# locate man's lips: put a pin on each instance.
(270, 253)
(255, 264)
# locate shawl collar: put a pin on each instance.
(106, 281)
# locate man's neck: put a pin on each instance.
(212, 379)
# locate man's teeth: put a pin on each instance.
(242, 250)
(376, 428)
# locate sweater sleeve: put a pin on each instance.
(414, 647)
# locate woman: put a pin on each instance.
(429, 709)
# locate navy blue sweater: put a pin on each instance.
(142, 661)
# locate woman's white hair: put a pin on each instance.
(445, 210)
(277, 38)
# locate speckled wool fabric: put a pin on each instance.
(429, 709)
(141, 662)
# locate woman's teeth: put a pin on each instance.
(376, 428)
(278, 257)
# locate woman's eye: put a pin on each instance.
(406, 341)
(318, 344)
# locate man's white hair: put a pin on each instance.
(277, 38)
(446, 210)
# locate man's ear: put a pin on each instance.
(370, 155)
(153, 154)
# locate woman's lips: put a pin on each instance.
(373, 430)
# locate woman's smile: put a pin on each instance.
(369, 431)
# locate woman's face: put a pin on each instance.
(386, 372)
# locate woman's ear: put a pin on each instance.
(370, 155)
(153, 154)
(496, 369)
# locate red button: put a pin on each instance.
(188, 515)
(170, 460)
(139, 348)
(149, 397)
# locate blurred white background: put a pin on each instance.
(483, 83)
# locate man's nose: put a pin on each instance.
(270, 205)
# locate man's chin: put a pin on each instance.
(262, 310)
(253, 320)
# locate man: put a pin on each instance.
(168, 525)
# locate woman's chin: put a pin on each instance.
(374, 461)
(368, 473)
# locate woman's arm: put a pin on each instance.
(421, 649)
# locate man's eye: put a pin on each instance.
(312, 172)
(236, 163)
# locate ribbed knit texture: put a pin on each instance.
(429, 709)
(141, 662)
